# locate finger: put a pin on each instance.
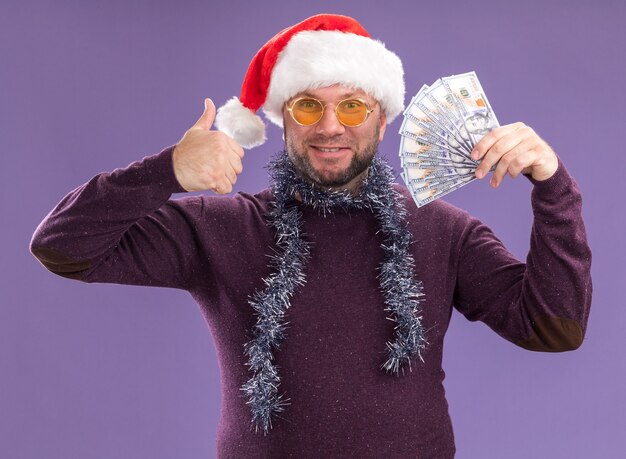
(518, 167)
(235, 147)
(235, 162)
(501, 169)
(514, 161)
(223, 187)
(499, 149)
(484, 144)
(226, 186)
(231, 175)
(205, 122)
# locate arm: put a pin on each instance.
(121, 227)
(542, 305)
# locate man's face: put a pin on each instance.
(353, 148)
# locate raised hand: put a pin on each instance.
(516, 148)
(205, 159)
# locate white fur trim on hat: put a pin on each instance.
(317, 59)
(240, 123)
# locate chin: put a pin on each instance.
(337, 179)
(331, 169)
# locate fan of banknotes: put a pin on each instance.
(441, 126)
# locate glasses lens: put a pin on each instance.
(352, 112)
(307, 111)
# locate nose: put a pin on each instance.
(329, 125)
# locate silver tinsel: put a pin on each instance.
(400, 289)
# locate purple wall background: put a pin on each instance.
(99, 371)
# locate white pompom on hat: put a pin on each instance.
(320, 51)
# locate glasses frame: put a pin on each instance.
(364, 102)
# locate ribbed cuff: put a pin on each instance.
(555, 192)
(553, 186)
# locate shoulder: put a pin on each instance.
(438, 226)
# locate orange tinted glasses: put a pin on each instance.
(307, 111)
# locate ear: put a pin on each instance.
(383, 125)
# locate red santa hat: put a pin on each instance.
(320, 51)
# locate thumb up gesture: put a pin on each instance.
(205, 159)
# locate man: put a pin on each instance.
(307, 356)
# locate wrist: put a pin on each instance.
(177, 173)
(178, 176)
(546, 170)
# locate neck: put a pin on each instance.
(362, 193)
(353, 187)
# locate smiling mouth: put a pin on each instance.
(329, 149)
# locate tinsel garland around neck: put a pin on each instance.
(400, 290)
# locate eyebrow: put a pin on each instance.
(343, 96)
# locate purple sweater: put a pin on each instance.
(121, 227)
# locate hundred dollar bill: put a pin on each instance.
(424, 197)
(439, 185)
(438, 174)
(428, 162)
(434, 174)
(436, 157)
(443, 105)
(470, 101)
(417, 160)
(441, 126)
(438, 138)
(413, 147)
(424, 112)
(436, 164)
(415, 174)
(409, 145)
(421, 109)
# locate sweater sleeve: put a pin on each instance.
(120, 227)
(543, 304)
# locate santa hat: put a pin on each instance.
(320, 51)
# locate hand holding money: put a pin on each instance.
(514, 149)
(205, 159)
(450, 136)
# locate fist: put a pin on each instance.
(514, 149)
(205, 159)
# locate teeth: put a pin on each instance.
(328, 150)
